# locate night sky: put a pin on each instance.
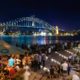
(64, 13)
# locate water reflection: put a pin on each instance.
(40, 40)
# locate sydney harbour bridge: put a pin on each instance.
(26, 24)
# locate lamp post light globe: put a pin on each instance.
(57, 34)
(57, 30)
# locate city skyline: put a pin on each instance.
(65, 14)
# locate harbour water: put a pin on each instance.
(40, 40)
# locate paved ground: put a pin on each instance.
(5, 48)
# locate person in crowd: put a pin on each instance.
(24, 61)
(26, 74)
(43, 59)
(59, 70)
(11, 61)
(70, 58)
(65, 44)
(49, 50)
(69, 68)
(32, 61)
(36, 62)
(17, 62)
(39, 60)
(74, 58)
(64, 67)
(55, 71)
(28, 59)
(75, 76)
(51, 72)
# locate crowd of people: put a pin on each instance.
(60, 45)
(13, 65)
(19, 67)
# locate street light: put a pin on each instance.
(57, 34)
(57, 30)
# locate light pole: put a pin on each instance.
(57, 34)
